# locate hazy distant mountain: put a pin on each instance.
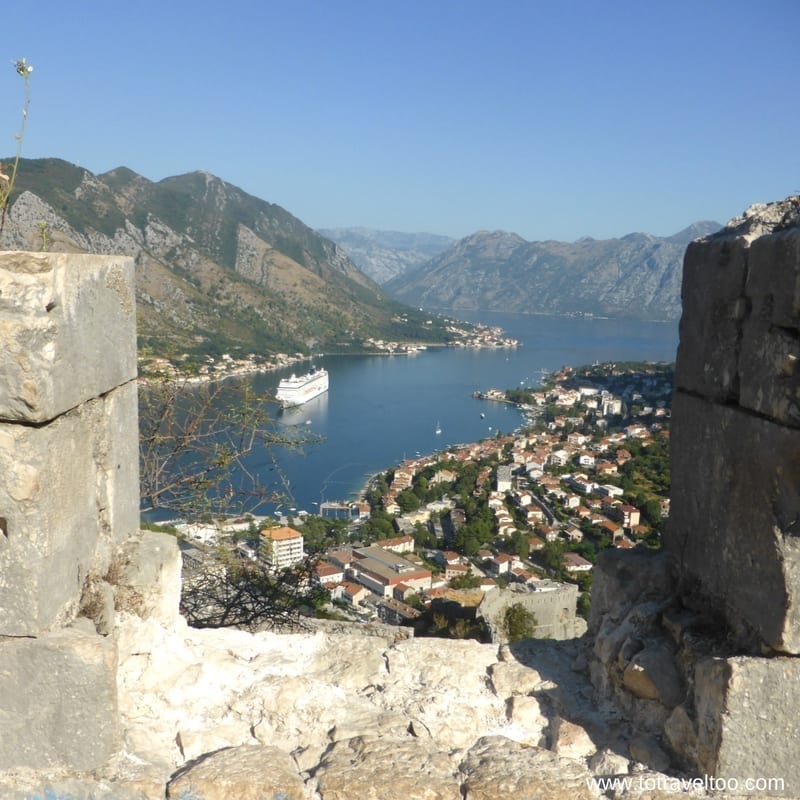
(216, 268)
(638, 275)
(383, 255)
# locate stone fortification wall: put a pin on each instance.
(555, 611)
(734, 532)
(68, 454)
(68, 489)
(698, 644)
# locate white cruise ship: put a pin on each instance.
(297, 390)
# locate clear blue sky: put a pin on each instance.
(552, 119)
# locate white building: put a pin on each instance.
(504, 478)
(281, 547)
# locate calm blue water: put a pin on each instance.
(382, 409)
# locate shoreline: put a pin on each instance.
(243, 370)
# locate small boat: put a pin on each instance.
(438, 429)
(483, 416)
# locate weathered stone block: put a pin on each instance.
(714, 304)
(366, 766)
(734, 528)
(624, 578)
(249, 772)
(150, 576)
(769, 361)
(67, 331)
(59, 702)
(652, 675)
(497, 767)
(747, 722)
(68, 494)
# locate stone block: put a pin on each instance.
(510, 678)
(769, 361)
(149, 583)
(496, 767)
(368, 767)
(67, 331)
(68, 494)
(653, 675)
(623, 578)
(249, 772)
(59, 702)
(734, 528)
(570, 740)
(714, 305)
(747, 722)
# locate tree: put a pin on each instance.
(468, 581)
(553, 557)
(520, 544)
(423, 535)
(408, 501)
(195, 444)
(378, 526)
(421, 488)
(242, 594)
(519, 622)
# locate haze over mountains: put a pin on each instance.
(384, 255)
(638, 275)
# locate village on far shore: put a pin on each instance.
(215, 367)
(523, 515)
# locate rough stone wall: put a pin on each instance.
(68, 452)
(698, 645)
(68, 498)
(734, 530)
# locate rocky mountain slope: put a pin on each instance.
(384, 255)
(216, 268)
(638, 275)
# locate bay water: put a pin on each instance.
(380, 410)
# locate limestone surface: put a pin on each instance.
(67, 331)
(68, 497)
(251, 772)
(735, 420)
(59, 702)
(743, 700)
(737, 542)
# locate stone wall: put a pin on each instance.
(555, 611)
(68, 498)
(734, 532)
(68, 451)
(698, 645)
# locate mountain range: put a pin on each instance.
(638, 275)
(217, 270)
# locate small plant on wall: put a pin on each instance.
(8, 175)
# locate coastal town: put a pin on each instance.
(528, 511)
(219, 366)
